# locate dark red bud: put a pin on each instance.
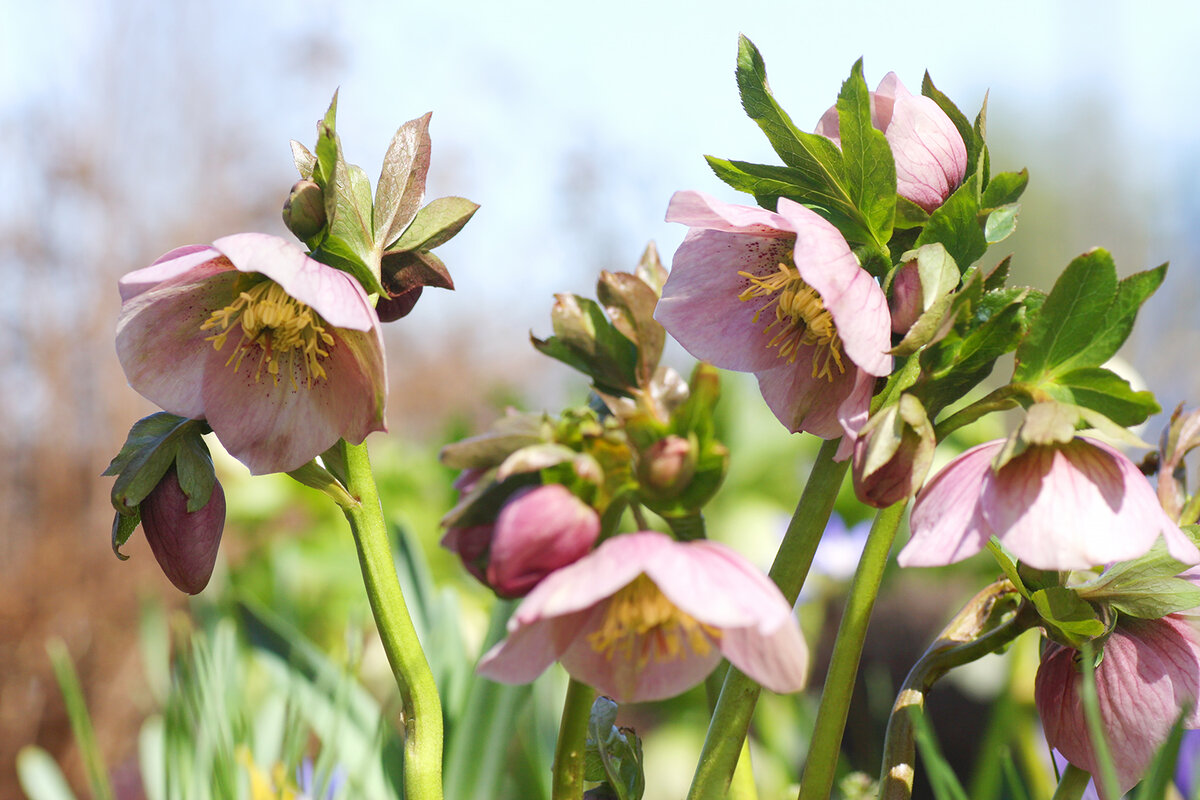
(184, 543)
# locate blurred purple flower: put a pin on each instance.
(282, 355)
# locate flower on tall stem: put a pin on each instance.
(1149, 675)
(930, 156)
(281, 354)
(644, 617)
(1058, 506)
(779, 295)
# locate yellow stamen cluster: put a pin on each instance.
(802, 317)
(279, 326)
(641, 622)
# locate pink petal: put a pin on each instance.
(701, 210)
(854, 411)
(778, 661)
(273, 427)
(333, 294)
(168, 266)
(700, 305)
(945, 521)
(528, 650)
(159, 341)
(852, 297)
(930, 156)
(804, 403)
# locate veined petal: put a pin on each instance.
(700, 305)
(945, 521)
(701, 210)
(778, 661)
(159, 341)
(802, 402)
(528, 649)
(168, 266)
(335, 295)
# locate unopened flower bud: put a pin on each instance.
(906, 301)
(893, 453)
(184, 542)
(392, 308)
(539, 530)
(304, 210)
(667, 466)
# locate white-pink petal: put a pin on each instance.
(945, 521)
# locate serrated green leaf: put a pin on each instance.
(1004, 188)
(401, 186)
(1106, 392)
(955, 223)
(998, 276)
(327, 147)
(1118, 321)
(153, 444)
(592, 344)
(436, 224)
(964, 361)
(1066, 326)
(866, 158)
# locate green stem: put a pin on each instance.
(1106, 780)
(421, 707)
(965, 639)
(817, 781)
(1072, 785)
(687, 528)
(1001, 399)
(572, 742)
(731, 719)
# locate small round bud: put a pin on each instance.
(304, 210)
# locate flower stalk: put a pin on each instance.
(572, 742)
(421, 706)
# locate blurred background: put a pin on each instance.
(134, 126)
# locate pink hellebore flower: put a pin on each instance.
(779, 295)
(644, 617)
(930, 156)
(1061, 507)
(282, 355)
(1149, 674)
(538, 530)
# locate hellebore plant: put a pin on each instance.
(858, 294)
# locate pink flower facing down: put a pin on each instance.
(644, 617)
(930, 156)
(779, 295)
(1062, 507)
(282, 355)
(538, 530)
(1149, 674)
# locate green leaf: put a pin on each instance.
(630, 304)
(618, 752)
(122, 528)
(955, 223)
(436, 224)
(1067, 325)
(1005, 188)
(998, 276)
(909, 214)
(866, 158)
(401, 184)
(939, 278)
(1103, 390)
(1118, 321)
(1063, 609)
(305, 161)
(1001, 223)
(80, 718)
(154, 443)
(585, 338)
(327, 147)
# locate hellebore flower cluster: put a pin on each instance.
(1150, 673)
(779, 295)
(644, 617)
(1060, 507)
(539, 529)
(282, 355)
(930, 156)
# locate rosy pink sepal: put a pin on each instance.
(745, 614)
(1149, 674)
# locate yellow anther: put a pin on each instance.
(642, 623)
(802, 318)
(279, 326)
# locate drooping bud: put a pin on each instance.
(539, 530)
(893, 453)
(906, 303)
(184, 542)
(304, 210)
(667, 466)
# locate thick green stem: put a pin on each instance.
(1074, 782)
(817, 781)
(1001, 399)
(731, 719)
(961, 641)
(572, 742)
(421, 707)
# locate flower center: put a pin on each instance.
(801, 317)
(641, 622)
(279, 326)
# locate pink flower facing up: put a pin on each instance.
(1149, 674)
(1061, 507)
(538, 530)
(779, 295)
(281, 354)
(930, 156)
(644, 617)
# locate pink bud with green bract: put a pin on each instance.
(183, 542)
(1150, 673)
(779, 295)
(281, 354)
(644, 617)
(930, 156)
(1063, 506)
